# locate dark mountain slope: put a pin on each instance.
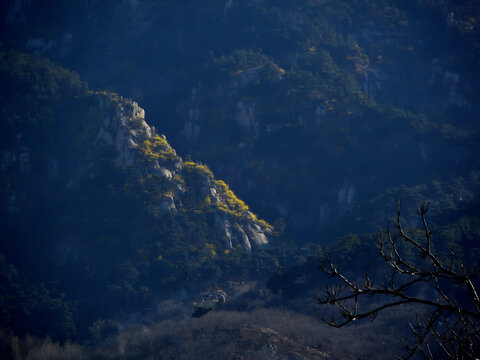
(321, 114)
(99, 209)
(308, 108)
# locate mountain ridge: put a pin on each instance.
(78, 185)
(134, 140)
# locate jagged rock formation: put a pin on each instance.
(138, 146)
(97, 204)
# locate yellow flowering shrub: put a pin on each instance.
(157, 148)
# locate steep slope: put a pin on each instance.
(185, 186)
(99, 213)
(309, 109)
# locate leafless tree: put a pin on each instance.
(451, 329)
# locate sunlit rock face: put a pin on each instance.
(97, 203)
(124, 128)
(137, 146)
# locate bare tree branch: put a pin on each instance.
(453, 326)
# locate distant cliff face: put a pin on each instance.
(316, 155)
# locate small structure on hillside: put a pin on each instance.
(208, 301)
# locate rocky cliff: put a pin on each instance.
(185, 184)
(96, 204)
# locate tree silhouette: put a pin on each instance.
(452, 327)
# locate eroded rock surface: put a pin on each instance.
(138, 146)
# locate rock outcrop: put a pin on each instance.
(138, 146)
(125, 128)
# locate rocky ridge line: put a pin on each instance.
(140, 147)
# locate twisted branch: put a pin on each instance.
(456, 341)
